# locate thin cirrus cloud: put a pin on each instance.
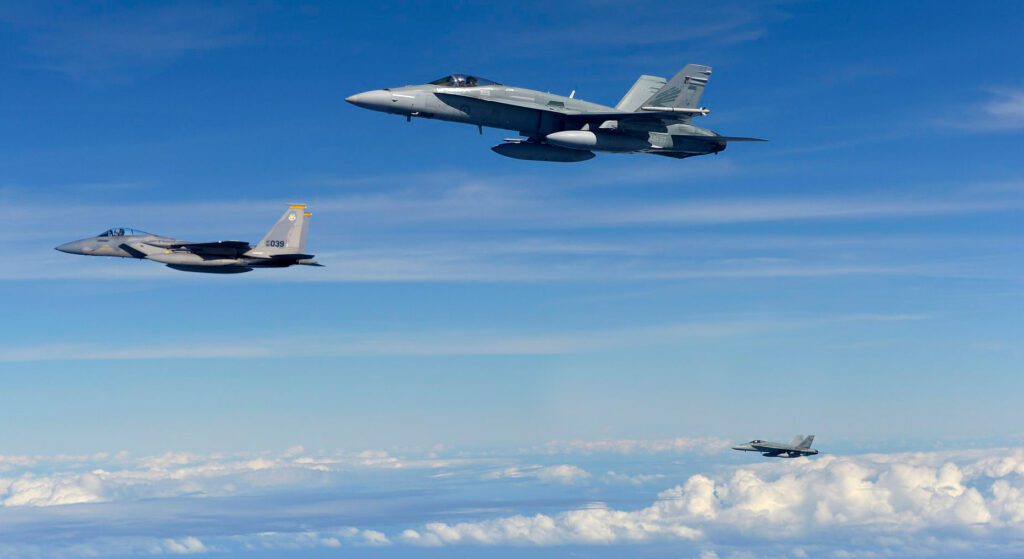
(92, 43)
(440, 259)
(499, 203)
(719, 24)
(419, 234)
(1003, 111)
(447, 343)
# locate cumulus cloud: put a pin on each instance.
(842, 506)
(104, 478)
(861, 501)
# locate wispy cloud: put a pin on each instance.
(496, 204)
(1005, 111)
(720, 25)
(438, 343)
(453, 227)
(91, 42)
(699, 445)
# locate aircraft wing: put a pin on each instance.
(596, 119)
(654, 117)
(771, 448)
(456, 98)
(666, 117)
(216, 249)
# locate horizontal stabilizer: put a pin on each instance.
(706, 138)
(697, 111)
(717, 139)
(290, 256)
(738, 139)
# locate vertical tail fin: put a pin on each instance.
(642, 90)
(806, 443)
(684, 89)
(288, 235)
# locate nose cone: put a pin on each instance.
(74, 247)
(376, 100)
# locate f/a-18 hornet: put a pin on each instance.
(284, 245)
(799, 447)
(653, 117)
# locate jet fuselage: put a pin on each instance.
(554, 126)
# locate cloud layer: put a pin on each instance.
(871, 505)
(903, 503)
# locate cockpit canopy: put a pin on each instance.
(121, 232)
(462, 80)
(756, 441)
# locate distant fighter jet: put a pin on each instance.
(653, 117)
(799, 447)
(284, 245)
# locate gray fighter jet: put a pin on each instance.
(284, 245)
(653, 117)
(799, 447)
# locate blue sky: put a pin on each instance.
(858, 276)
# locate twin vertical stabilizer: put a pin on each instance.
(683, 90)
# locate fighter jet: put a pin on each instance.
(799, 447)
(653, 117)
(284, 245)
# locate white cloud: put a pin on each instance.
(871, 500)
(105, 478)
(562, 473)
(32, 490)
(184, 546)
(635, 479)
(592, 525)
(841, 506)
